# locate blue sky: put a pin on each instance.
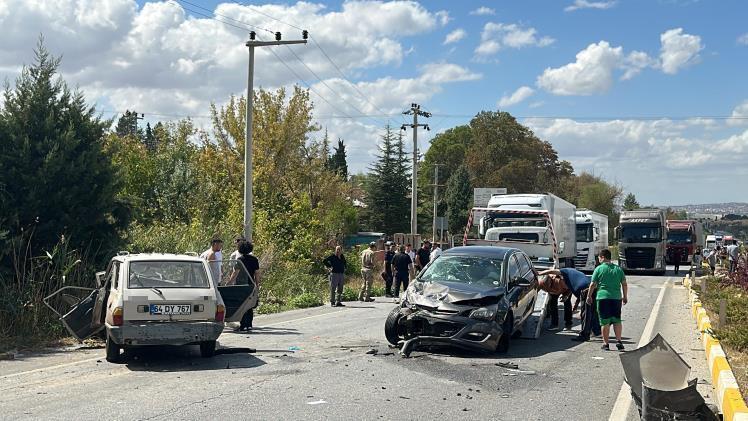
(617, 84)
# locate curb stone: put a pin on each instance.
(729, 399)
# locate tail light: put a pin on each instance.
(220, 312)
(118, 316)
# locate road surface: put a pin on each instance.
(312, 364)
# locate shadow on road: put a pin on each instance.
(184, 358)
(265, 331)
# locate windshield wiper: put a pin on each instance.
(158, 291)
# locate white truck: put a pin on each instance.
(592, 237)
(541, 225)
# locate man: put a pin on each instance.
(436, 252)
(402, 265)
(389, 254)
(608, 281)
(237, 240)
(676, 256)
(697, 257)
(239, 277)
(578, 285)
(554, 285)
(367, 269)
(423, 255)
(711, 258)
(412, 254)
(732, 255)
(336, 264)
(215, 258)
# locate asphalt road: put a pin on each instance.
(312, 364)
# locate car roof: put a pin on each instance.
(140, 257)
(482, 251)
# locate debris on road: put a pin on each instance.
(508, 365)
(7, 356)
(319, 402)
(372, 351)
(294, 348)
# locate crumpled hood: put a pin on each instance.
(449, 294)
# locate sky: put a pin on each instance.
(650, 95)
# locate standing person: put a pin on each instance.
(422, 256)
(252, 274)
(336, 264)
(608, 280)
(402, 265)
(412, 254)
(237, 240)
(215, 258)
(436, 252)
(732, 255)
(367, 269)
(389, 254)
(697, 256)
(711, 258)
(677, 256)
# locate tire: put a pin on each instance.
(507, 326)
(207, 349)
(112, 350)
(391, 326)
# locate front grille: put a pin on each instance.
(640, 257)
(580, 260)
(443, 329)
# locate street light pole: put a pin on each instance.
(248, 167)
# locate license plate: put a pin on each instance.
(171, 309)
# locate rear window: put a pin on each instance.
(168, 274)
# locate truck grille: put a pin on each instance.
(640, 258)
(580, 260)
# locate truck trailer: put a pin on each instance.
(591, 237)
(642, 241)
(684, 236)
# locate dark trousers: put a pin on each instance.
(552, 309)
(590, 319)
(401, 278)
(247, 319)
(387, 276)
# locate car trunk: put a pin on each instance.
(169, 304)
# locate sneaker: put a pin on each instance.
(580, 338)
(605, 347)
(388, 295)
(619, 346)
(332, 304)
(567, 327)
(369, 300)
(339, 304)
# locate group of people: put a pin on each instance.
(602, 295)
(245, 268)
(719, 254)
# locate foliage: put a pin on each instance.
(306, 299)
(630, 202)
(127, 126)
(735, 333)
(388, 189)
(591, 192)
(459, 199)
(338, 162)
(672, 214)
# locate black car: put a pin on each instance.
(472, 297)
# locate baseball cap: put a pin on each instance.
(373, 243)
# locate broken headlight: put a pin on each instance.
(483, 313)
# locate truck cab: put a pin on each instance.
(592, 237)
(642, 241)
(683, 238)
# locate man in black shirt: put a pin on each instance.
(336, 264)
(387, 274)
(240, 277)
(401, 263)
(423, 255)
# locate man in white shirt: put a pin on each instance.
(215, 258)
(436, 252)
(732, 255)
(237, 240)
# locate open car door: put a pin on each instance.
(238, 290)
(81, 313)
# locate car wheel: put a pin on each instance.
(507, 326)
(390, 326)
(207, 349)
(112, 350)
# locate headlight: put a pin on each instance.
(658, 265)
(483, 313)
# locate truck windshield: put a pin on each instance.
(679, 237)
(584, 233)
(501, 219)
(168, 274)
(641, 234)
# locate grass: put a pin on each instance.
(734, 335)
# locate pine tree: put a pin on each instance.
(387, 196)
(458, 197)
(150, 139)
(630, 202)
(53, 165)
(127, 125)
(338, 162)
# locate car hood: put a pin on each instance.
(446, 295)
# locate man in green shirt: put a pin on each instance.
(608, 281)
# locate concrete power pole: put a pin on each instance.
(248, 168)
(415, 111)
(436, 187)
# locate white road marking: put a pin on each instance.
(51, 367)
(623, 402)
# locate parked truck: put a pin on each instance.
(642, 241)
(711, 242)
(591, 236)
(541, 225)
(684, 236)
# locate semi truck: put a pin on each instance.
(642, 241)
(711, 242)
(591, 238)
(684, 236)
(541, 225)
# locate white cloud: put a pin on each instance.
(585, 4)
(443, 17)
(496, 36)
(743, 39)
(591, 73)
(518, 96)
(739, 115)
(679, 50)
(455, 36)
(483, 11)
(635, 62)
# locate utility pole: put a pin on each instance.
(248, 168)
(415, 111)
(436, 187)
(135, 120)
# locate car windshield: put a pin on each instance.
(584, 233)
(464, 269)
(641, 234)
(168, 274)
(679, 237)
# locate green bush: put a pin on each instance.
(735, 333)
(306, 300)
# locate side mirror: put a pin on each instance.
(521, 282)
(561, 246)
(617, 232)
(100, 279)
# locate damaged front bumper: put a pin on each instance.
(165, 333)
(425, 328)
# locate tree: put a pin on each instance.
(53, 166)
(630, 202)
(458, 197)
(388, 188)
(150, 139)
(338, 162)
(127, 125)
